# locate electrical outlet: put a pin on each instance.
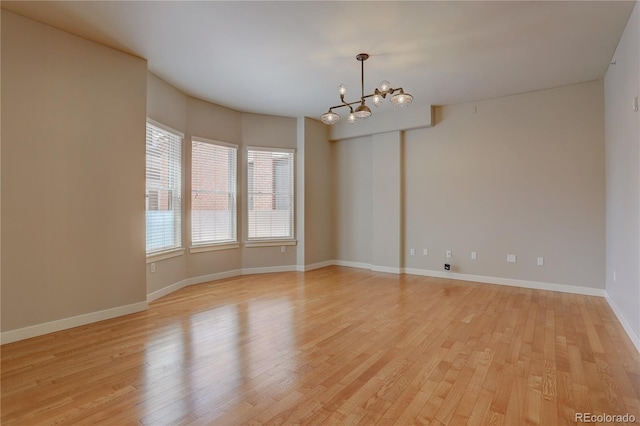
(425, 252)
(540, 261)
(448, 254)
(283, 249)
(152, 267)
(412, 252)
(511, 258)
(474, 255)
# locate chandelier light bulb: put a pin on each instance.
(397, 98)
(330, 118)
(402, 99)
(362, 111)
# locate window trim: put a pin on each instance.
(165, 127)
(178, 250)
(213, 247)
(209, 245)
(163, 255)
(276, 241)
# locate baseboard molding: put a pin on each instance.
(40, 329)
(352, 264)
(166, 290)
(312, 266)
(66, 323)
(269, 269)
(635, 339)
(387, 269)
(213, 277)
(536, 285)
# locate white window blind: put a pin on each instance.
(213, 192)
(270, 192)
(163, 189)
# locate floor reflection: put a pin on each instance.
(213, 357)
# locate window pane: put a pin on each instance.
(270, 192)
(213, 193)
(163, 189)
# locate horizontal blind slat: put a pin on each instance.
(163, 189)
(213, 192)
(270, 192)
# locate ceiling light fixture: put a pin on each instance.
(399, 98)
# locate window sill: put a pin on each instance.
(213, 247)
(155, 257)
(270, 243)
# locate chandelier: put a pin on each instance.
(398, 97)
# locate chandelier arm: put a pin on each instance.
(345, 104)
(363, 111)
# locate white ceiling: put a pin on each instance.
(288, 58)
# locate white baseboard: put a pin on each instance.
(166, 290)
(387, 269)
(40, 329)
(213, 277)
(536, 285)
(269, 269)
(352, 264)
(63, 324)
(312, 266)
(635, 339)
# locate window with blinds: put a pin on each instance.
(163, 188)
(213, 192)
(270, 193)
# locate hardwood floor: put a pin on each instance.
(332, 346)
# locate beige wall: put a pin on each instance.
(72, 175)
(386, 201)
(264, 131)
(215, 122)
(318, 247)
(622, 84)
(198, 118)
(166, 105)
(517, 175)
(352, 192)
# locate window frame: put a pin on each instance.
(178, 248)
(271, 241)
(215, 245)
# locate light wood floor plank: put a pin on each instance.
(331, 346)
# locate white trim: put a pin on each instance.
(214, 142)
(165, 127)
(213, 277)
(270, 243)
(270, 149)
(269, 269)
(536, 285)
(213, 247)
(165, 255)
(312, 266)
(66, 323)
(349, 264)
(50, 327)
(387, 269)
(166, 290)
(635, 339)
